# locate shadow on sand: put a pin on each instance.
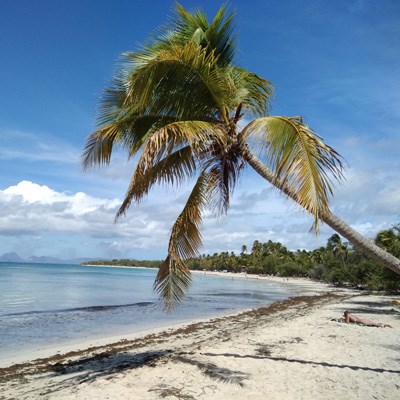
(294, 360)
(88, 369)
(378, 308)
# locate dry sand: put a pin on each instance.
(296, 349)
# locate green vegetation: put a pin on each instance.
(337, 263)
(178, 105)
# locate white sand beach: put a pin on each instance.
(295, 349)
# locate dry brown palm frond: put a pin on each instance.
(169, 155)
(173, 278)
(224, 164)
(99, 146)
(196, 133)
(172, 169)
(172, 281)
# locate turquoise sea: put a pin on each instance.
(45, 305)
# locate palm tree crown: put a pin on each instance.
(176, 103)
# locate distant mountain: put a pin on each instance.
(11, 257)
(14, 257)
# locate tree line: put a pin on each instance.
(338, 262)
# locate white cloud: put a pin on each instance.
(33, 213)
(32, 208)
(36, 211)
(76, 204)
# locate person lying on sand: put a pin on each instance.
(362, 321)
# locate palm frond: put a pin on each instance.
(172, 281)
(127, 121)
(119, 123)
(186, 23)
(215, 36)
(299, 158)
(112, 103)
(176, 82)
(220, 36)
(224, 164)
(196, 134)
(172, 170)
(173, 278)
(99, 146)
(169, 155)
(129, 132)
(254, 92)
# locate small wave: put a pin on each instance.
(237, 294)
(110, 307)
(82, 309)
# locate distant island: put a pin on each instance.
(125, 263)
(15, 258)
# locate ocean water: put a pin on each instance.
(46, 305)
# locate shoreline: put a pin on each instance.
(240, 275)
(293, 349)
(42, 350)
(305, 286)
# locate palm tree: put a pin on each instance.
(338, 248)
(389, 239)
(177, 102)
(257, 249)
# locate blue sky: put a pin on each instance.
(335, 63)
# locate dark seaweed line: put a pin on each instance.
(84, 309)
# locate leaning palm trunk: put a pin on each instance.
(360, 242)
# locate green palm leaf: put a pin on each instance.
(176, 82)
(249, 91)
(299, 159)
(172, 281)
(186, 27)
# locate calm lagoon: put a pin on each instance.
(46, 305)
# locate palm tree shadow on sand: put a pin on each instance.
(213, 371)
(294, 360)
(105, 365)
